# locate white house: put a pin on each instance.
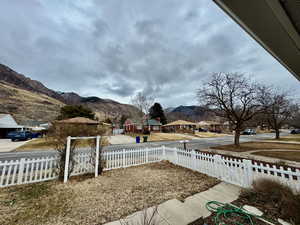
(7, 124)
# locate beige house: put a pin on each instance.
(180, 126)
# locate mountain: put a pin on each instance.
(37, 99)
(27, 107)
(192, 113)
(20, 81)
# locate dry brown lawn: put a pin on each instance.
(209, 134)
(113, 195)
(169, 137)
(293, 137)
(164, 136)
(250, 146)
(47, 144)
(287, 155)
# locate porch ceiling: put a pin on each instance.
(275, 24)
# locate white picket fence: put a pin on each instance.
(241, 172)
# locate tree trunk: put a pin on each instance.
(237, 137)
(277, 132)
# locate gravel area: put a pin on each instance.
(113, 195)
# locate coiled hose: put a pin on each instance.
(228, 210)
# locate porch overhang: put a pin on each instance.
(274, 24)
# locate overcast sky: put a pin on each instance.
(115, 48)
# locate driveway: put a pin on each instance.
(6, 145)
(121, 139)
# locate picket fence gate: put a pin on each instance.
(241, 172)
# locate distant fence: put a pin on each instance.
(241, 172)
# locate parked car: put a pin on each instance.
(21, 136)
(249, 132)
(202, 130)
(36, 135)
(295, 131)
(11, 134)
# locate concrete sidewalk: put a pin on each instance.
(6, 145)
(121, 139)
(175, 212)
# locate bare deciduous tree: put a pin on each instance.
(234, 96)
(143, 102)
(278, 107)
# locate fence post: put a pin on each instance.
(147, 155)
(123, 157)
(176, 156)
(217, 167)
(248, 176)
(163, 152)
(97, 156)
(193, 156)
(66, 173)
(21, 171)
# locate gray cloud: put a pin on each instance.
(113, 49)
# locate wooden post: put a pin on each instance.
(97, 158)
(21, 171)
(66, 173)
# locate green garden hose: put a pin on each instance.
(228, 210)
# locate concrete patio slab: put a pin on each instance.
(175, 212)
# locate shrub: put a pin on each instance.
(278, 199)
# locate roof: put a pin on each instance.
(7, 121)
(133, 121)
(152, 122)
(208, 123)
(79, 120)
(3, 115)
(180, 122)
(279, 33)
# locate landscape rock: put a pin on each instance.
(253, 210)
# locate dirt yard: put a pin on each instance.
(250, 146)
(113, 195)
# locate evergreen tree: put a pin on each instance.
(156, 111)
(71, 111)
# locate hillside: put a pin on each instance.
(27, 107)
(192, 113)
(29, 100)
